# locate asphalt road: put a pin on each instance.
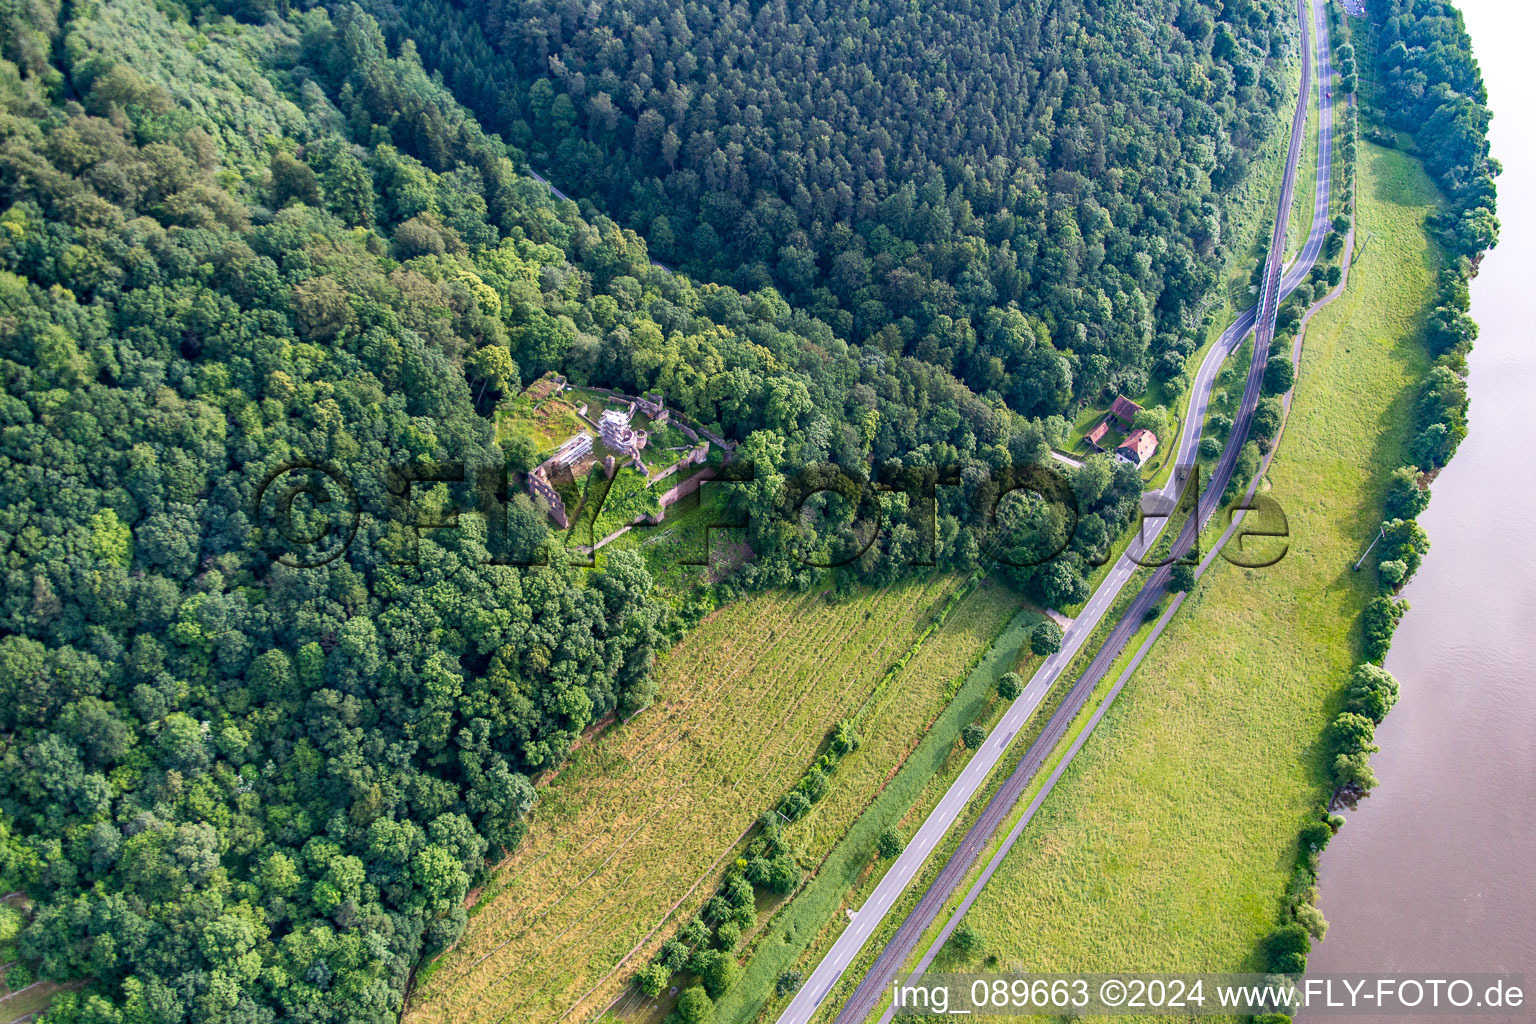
(1276, 284)
(1306, 259)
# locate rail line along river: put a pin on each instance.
(1436, 870)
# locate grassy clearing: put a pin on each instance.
(908, 736)
(811, 922)
(548, 423)
(1168, 841)
(638, 823)
(34, 999)
(670, 547)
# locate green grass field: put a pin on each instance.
(548, 423)
(33, 999)
(1167, 843)
(804, 929)
(629, 839)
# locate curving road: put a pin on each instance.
(1306, 259)
(1276, 285)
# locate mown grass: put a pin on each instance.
(1168, 841)
(547, 427)
(632, 833)
(16, 1006)
(906, 738)
(800, 934)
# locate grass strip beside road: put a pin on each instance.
(1168, 841)
(812, 919)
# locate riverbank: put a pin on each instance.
(1170, 838)
(1434, 869)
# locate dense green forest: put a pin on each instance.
(241, 235)
(240, 790)
(1428, 85)
(902, 170)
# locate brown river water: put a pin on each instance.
(1436, 870)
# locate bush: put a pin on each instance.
(10, 924)
(1350, 733)
(795, 805)
(1379, 621)
(1372, 692)
(1210, 448)
(728, 935)
(1181, 577)
(1279, 374)
(783, 874)
(720, 975)
(1310, 918)
(1045, 639)
(1404, 540)
(789, 983)
(890, 844)
(18, 977)
(1314, 837)
(1405, 498)
(1248, 462)
(653, 980)
(965, 939)
(673, 955)
(1287, 948)
(814, 784)
(1354, 771)
(694, 934)
(973, 736)
(1392, 572)
(1010, 686)
(738, 892)
(695, 1007)
(1267, 416)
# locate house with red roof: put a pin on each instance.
(1138, 446)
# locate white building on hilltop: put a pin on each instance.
(619, 436)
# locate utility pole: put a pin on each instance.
(1379, 535)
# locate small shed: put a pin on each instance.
(1097, 434)
(1124, 410)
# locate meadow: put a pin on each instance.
(1167, 843)
(628, 839)
(811, 922)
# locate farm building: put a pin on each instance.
(1124, 410)
(1097, 434)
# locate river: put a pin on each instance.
(1436, 870)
